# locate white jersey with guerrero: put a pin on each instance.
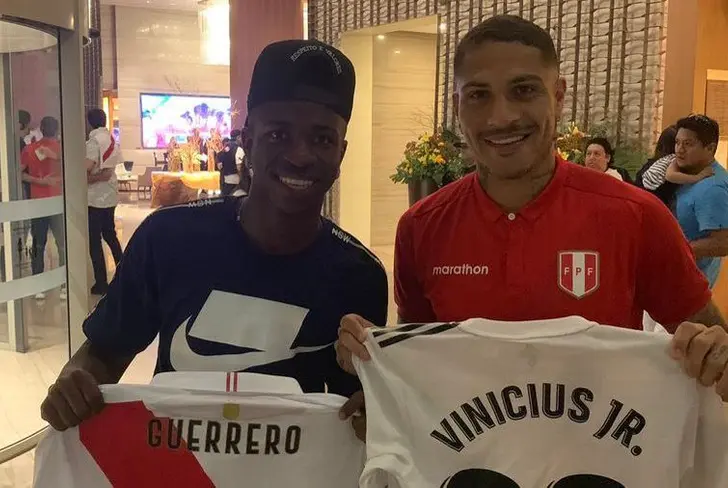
(149, 436)
(550, 404)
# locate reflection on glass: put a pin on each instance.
(33, 310)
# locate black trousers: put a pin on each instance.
(101, 225)
(39, 231)
(227, 189)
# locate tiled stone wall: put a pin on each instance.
(611, 51)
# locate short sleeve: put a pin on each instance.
(92, 150)
(669, 285)
(711, 208)
(412, 305)
(127, 319)
(654, 176)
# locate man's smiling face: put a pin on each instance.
(508, 100)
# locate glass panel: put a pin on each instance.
(33, 309)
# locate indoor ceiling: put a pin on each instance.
(160, 4)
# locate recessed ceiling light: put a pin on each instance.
(381, 37)
(397, 51)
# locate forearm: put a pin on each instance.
(710, 316)
(710, 247)
(681, 178)
(104, 367)
(32, 179)
(104, 175)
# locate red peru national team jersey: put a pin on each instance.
(588, 245)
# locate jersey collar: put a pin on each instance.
(536, 207)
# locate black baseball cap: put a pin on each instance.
(308, 71)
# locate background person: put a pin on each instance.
(102, 157)
(702, 207)
(24, 120)
(40, 164)
(600, 157)
(230, 164)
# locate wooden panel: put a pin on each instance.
(716, 101)
(253, 25)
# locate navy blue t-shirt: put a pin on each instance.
(192, 276)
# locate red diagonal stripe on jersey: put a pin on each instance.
(117, 439)
(227, 382)
(235, 382)
(108, 152)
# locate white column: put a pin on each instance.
(75, 185)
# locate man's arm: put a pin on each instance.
(708, 315)
(106, 367)
(713, 246)
(102, 175)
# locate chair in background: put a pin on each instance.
(124, 175)
(144, 183)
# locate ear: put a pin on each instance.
(713, 148)
(560, 96)
(341, 160)
(246, 135)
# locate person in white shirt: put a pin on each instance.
(102, 156)
(600, 157)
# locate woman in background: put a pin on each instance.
(600, 157)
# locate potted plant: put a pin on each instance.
(429, 163)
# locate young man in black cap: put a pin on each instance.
(290, 275)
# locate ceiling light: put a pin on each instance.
(214, 22)
(381, 37)
(397, 51)
(443, 27)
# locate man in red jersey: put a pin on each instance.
(531, 237)
(40, 163)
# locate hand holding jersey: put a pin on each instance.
(529, 405)
(702, 351)
(152, 436)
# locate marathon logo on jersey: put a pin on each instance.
(579, 272)
(461, 270)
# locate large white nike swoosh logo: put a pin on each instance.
(183, 358)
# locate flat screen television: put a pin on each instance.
(167, 116)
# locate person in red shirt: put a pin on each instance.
(529, 236)
(41, 166)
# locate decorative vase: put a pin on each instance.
(419, 189)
